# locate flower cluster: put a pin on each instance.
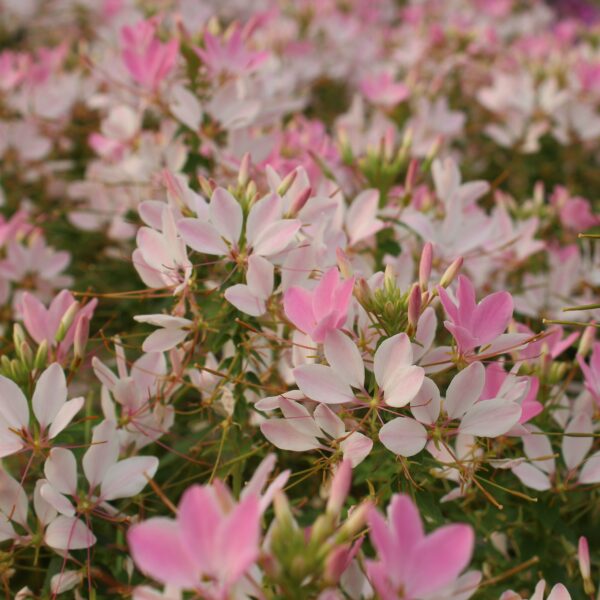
(298, 299)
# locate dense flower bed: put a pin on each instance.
(298, 299)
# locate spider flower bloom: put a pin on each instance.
(321, 310)
(206, 549)
(147, 59)
(411, 564)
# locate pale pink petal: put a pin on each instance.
(425, 406)
(361, 218)
(164, 339)
(590, 471)
(202, 237)
(44, 511)
(226, 215)
(356, 447)
(344, 357)
(60, 470)
(13, 408)
(323, 302)
(559, 592)
(464, 390)
(103, 453)
(284, 435)
(65, 416)
(300, 417)
(492, 316)
(276, 237)
(328, 421)
(297, 305)
(199, 519)
(264, 212)
(532, 477)
(403, 386)
(13, 499)
(393, 354)
(237, 546)
(59, 502)
(537, 446)
(49, 395)
(405, 521)
(490, 418)
(128, 477)
(574, 449)
(103, 373)
(260, 276)
(321, 383)
(68, 533)
(242, 297)
(35, 318)
(439, 559)
(159, 551)
(403, 436)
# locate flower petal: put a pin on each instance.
(403, 436)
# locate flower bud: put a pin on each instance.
(41, 356)
(411, 176)
(336, 563)
(355, 521)
(300, 200)
(66, 322)
(82, 332)
(414, 306)
(340, 487)
(244, 171)
(583, 554)
(451, 272)
(425, 265)
(587, 340)
(286, 182)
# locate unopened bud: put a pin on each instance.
(41, 356)
(583, 554)
(244, 172)
(206, 186)
(300, 200)
(66, 322)
(26, 354)
(389, 278)
(340, 487)
(425, 265)
(336, 563)
(587, 340)
(283, 512)
(286, 182)
(18, 336)
(82, 332)
(355, 522)
(364, 294)
(451, 272)
(411, 175)
(414, 306)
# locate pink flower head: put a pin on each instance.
(208, 548)
(410, 563)
(147, 59)
(591, 372)
(321, 310)
(575, 212)
(229, 55)
(474, 325)
(43, 323)
(383, 90)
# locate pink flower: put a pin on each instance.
(43, 324)
(229, 55)
(147, 59)
(591, 372)
(50, 407)
(321, 310)
(108, 479)
(212, 543)
(474, 325)
(410, 563)
(382, 89)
